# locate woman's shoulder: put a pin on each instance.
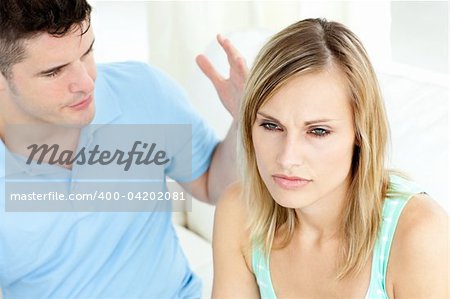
(232, 212)
(231, 223)
(231, 196)
(231, 217)
(421, 217)
(420, 246)
(421, 213)
(231, 206)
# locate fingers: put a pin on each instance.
(242, 68)
(208, 69)
(235, 58)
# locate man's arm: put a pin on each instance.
(223, 168)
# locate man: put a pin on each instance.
(49, 77)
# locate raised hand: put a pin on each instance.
(231, 89)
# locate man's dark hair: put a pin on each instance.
(23, 19)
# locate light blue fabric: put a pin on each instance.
(392, 208)
(107, 255)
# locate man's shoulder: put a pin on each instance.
(137, 88)
(126, 69)
(135, 75)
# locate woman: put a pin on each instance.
(316, 212)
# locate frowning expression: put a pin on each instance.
(304, 138)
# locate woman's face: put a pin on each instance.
(304, 138)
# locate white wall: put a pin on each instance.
(120, 29)
(420, 34)
(411, 32)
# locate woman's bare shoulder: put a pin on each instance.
(232, 215)
(231, 204)
(419, 253)
(233, 275)
(422, 216)
(232, 194)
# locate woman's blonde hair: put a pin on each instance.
(307, 46)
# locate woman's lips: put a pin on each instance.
(83, 104)
(290, 182)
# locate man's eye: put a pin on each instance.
(52, 74)
(319, 132)
(270, 126)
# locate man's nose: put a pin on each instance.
(82, 79)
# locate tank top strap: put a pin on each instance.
(402, 190)
(261, 269)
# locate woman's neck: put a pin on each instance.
(322, 220)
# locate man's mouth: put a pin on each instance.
(83, 104)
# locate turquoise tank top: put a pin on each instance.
(392, 209)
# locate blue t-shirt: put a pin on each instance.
(107, 254)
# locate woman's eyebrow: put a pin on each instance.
(306, 123)
(268, 116)
(322, 120)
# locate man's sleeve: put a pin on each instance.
(191, 142)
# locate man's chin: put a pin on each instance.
(79, 121)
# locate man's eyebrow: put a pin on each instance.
(58, 67)
(307, 123)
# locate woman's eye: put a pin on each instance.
(270, 126)
(319, 132)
